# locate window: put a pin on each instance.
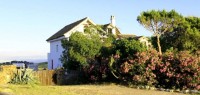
(109, 31)
(56, 48)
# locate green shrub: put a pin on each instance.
(81, 48)
(128, 47)
(24, 76)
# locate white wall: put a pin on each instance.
(54, 55)
(80, 28)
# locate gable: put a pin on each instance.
(66, 29)
(79, 28)
(109, 25)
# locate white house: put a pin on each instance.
(55, 40)
(24, 64)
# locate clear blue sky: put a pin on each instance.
(26, 24)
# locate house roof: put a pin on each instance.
(64, 30)
(126, 36)
(137, 37)
(106, 25)
(117, 31)
(109, 24)
(121, 36)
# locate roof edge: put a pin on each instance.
(61, 32)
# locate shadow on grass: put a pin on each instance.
(5, 93)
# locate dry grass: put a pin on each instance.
(78, 90)
(6, 73)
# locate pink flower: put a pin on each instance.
(198, 87)
(147, 69)
(152, 67)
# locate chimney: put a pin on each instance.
(112, 21)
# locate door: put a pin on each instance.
(52, 64)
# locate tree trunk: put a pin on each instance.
(158, 43)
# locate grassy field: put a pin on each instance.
(78, 90)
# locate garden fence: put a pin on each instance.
(45, 77)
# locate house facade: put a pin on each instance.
(55, 40)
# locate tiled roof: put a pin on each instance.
(65, 29)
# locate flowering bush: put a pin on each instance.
(173, 70)
(97, 71)
(180, 70)
(143, 65)
(137, 69)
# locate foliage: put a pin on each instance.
(159, 22)
(129, 61)
(136, 69)
(179, 71)
(127, 47)
(24, 76)
(171, 70)
(95, 29)
(107, 47)
(194, 22)
(87, 52)
(81, 48)
(183, 37)
(121, 50)
(97, 72)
